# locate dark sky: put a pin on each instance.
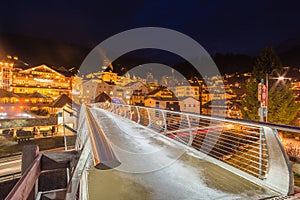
(219, 26)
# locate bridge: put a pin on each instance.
(132, 152)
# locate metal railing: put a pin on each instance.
(92, 149)
(94, 146)
(240, 146)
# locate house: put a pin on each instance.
(93, 87)
(163, 103)
(187, 90)
(137, 98)
(103, 97)
(129, 89)
(65, 109)
(162, 97)
(189, 104)
(162, 92)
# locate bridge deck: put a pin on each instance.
(155, 168)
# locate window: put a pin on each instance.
(189, 105)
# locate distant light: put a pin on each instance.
(281, 78)
(43, 80)
(75, 92)
(3, 114)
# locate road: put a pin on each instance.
(10, 165)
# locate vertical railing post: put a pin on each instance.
(139, 116)
(111, 107)
(260, 152)
(117, 109)
(165, 122)
(190, 130)
(125, 111)
(130, 110)
(149, 117)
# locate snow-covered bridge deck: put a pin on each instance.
(155, 167)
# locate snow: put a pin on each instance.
(163, 168)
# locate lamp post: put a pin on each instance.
(263, 96)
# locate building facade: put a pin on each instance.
(6, 75)
(41, 79)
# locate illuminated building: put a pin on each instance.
(92, 88)
(189, 104)
(137, 98)
(13, 105)
(5, 75)
(162, 98)
(187, 91)
(129, 89)
(41, 79)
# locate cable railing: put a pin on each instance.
(249, 149)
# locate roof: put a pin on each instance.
(162, 88)
(103, 97)
(153, 92)
(163, 99)
(44, 67)
(133, 83)
(184, 98)
(4, 93)
(61, 101)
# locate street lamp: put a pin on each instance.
(264, 96)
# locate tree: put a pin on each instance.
(282, 107)
(250, 103)
(267, 62)
(281, 103)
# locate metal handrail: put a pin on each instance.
(103, 155)
(282, 127)
(93, 143)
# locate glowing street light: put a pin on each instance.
(263, 95)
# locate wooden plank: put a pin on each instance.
(24, 186)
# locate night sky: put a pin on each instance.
(219, 26)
